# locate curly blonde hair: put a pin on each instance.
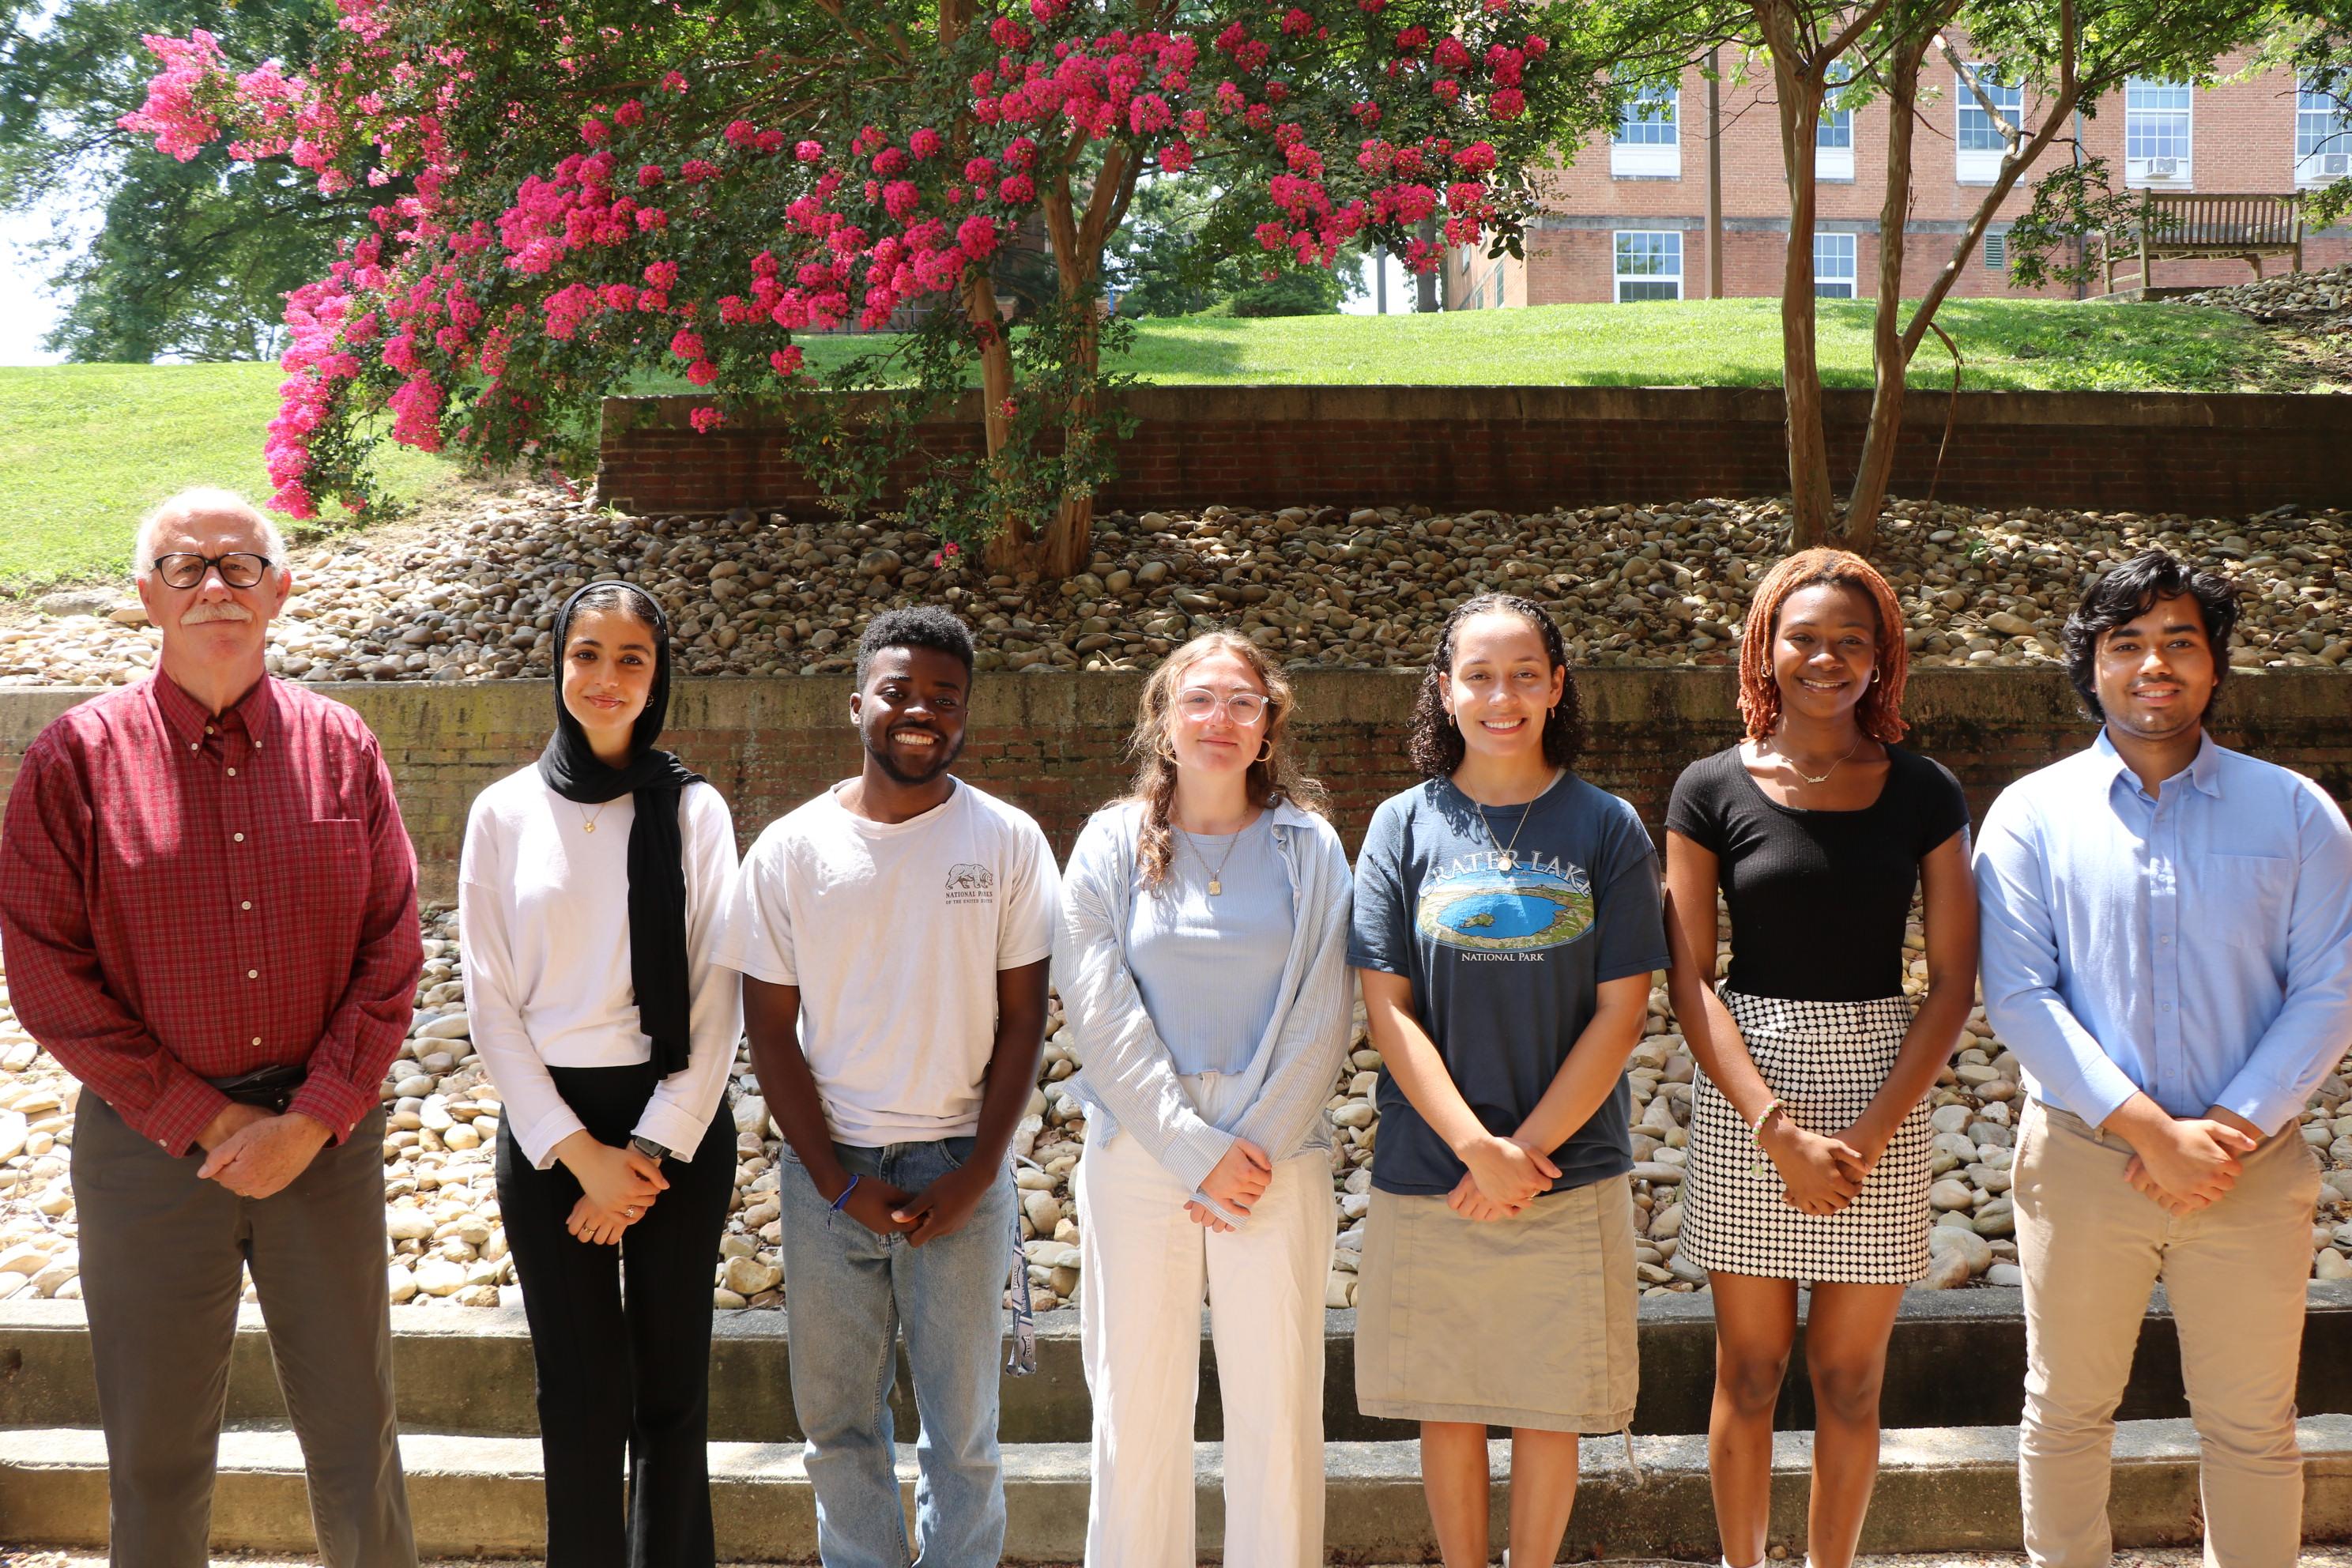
(1272, 779)
(1880, 712)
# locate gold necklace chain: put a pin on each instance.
(588, 823)
(1217, 874)
(1510, 852)
(1824, 777)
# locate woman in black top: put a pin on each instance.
(1810, 1136)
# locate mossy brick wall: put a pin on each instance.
(1531, 449)
(1054, 744)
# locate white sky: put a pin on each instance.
(1399, 289)
(26, 310)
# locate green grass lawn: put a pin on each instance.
(86, 450)
(2007, 345)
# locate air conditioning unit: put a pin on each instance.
(2164, 168)
(2334, 162)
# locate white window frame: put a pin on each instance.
(2147, 124)
(1833, 135)
(1973, 165)
(1621, 277)
(1836, 266)
(1657, 155)
(2322, 137)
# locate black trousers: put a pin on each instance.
(623, 1376)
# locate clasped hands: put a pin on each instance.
(1237, 1181)
(1504, 1177)
(2190, 1165)
(1820, 1174)
(940, 1209)
(255, 1154)
(617, 1185)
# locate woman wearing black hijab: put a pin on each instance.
(587, 890)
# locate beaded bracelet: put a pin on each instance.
(1756, 1134)
(846, 1192)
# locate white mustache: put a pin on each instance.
(220, 610)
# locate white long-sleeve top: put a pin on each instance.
(543, 931)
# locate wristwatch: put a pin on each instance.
(649, 1148)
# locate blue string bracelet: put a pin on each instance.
(846, 1192)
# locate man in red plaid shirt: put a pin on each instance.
(208, 912)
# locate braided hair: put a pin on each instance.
(1880, 711)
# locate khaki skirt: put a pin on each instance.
(1514, 1322)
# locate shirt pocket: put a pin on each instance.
(321, 875)
(2246, 898)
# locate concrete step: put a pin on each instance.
(1939, 1489)
(1958, 1357)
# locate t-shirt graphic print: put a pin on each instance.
(1506, 922)
(971, 884)
(1505, 903)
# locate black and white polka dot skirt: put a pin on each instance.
(1824, 1061)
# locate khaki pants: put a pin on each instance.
(162, 1256)
(2092, 1248)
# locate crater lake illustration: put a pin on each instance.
(1493, 911)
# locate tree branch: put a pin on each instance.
(1845, 38)
(2002, 122)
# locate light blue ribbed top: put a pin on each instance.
(1209, 969)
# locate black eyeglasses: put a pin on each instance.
(238, 568)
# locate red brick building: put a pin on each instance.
(1626, 220)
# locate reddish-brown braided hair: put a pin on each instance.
(1880, 712)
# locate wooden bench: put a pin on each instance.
(2183, 225)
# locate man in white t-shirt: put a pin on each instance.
(893, 935)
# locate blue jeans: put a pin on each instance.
(847, 1292)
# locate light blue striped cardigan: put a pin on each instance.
(1125, 1078)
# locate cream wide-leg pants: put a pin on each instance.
(1146, 1265)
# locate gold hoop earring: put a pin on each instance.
(1265, 749)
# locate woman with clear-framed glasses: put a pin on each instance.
(1202, 965)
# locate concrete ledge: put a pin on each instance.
(1958, 1357)
(1939, 1489)
(1055, 746)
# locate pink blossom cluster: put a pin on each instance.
(181, 111)
(487, 287)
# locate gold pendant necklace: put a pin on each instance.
(1508, 852)
(1824, 777)
(1217, 875)
(588, 823)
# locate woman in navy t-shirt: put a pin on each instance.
(1506, 924)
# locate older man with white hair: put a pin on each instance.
(209, 911)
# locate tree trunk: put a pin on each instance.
(1071, 533)
(1888, 366)
(1888, 360)
(1425, 299)
(1798, 93)
(1009, 547)
(1077, 241)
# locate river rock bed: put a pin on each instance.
(474, 596)
(2317, 304)
(448, 1247)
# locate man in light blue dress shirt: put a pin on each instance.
(2168, 949)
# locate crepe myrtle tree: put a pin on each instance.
(580, 194)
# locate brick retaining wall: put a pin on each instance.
(1531, 449)
(1053, 744)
